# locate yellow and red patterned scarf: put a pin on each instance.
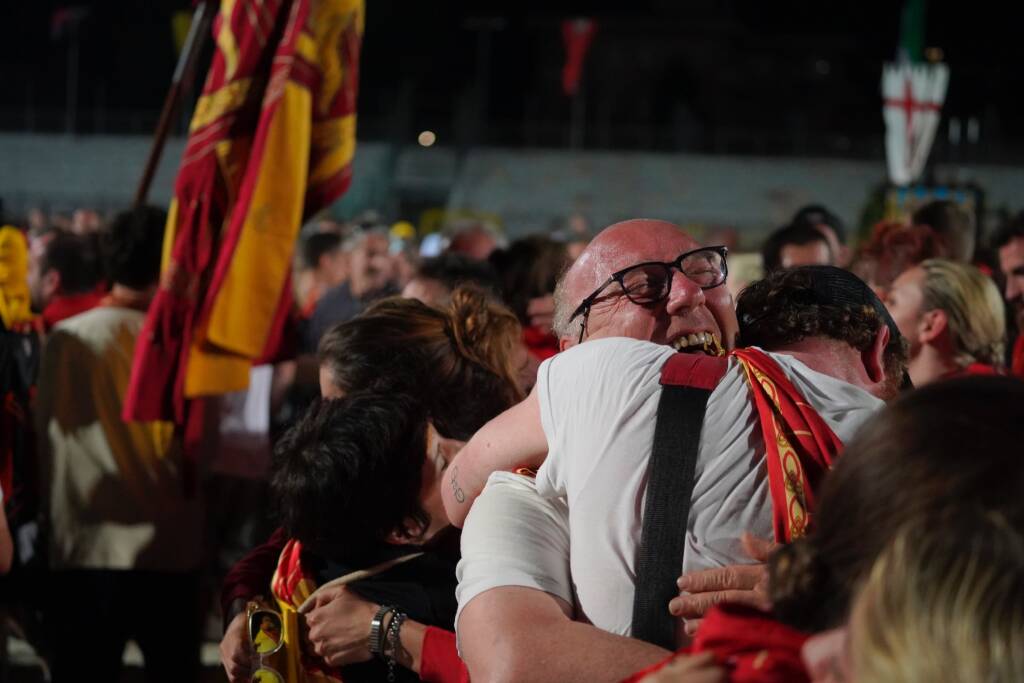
(801, 447)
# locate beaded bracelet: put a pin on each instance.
(394, 643)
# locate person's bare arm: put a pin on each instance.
(521, 634)
(513, 439)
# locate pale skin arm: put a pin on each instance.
(338, 623)
(515, 633)
(513, 439)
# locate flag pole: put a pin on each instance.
(184, 74)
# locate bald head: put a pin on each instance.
(624, 244)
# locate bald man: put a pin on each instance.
(520, 570)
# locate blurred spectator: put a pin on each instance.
(326, 265)
(953, 225)
(830, 225)
(892, 248)
(1009, 243)
(64, 276)
(121, 523)
(437, 277)
(19, 362)
(476, 242)
(371, 276)
(85, 222)
(528, 272)
(796, 245)
(952, 316)
(37, 221)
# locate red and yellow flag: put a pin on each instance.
(271, 142)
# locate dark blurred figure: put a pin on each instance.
(323, 267)
(19, 362)
(436, 278)
(124, 533)
(953, 225)
(64, 276)
(893, 248)
(1009, 245)
(476, 242)
(528, 272)
(371, 276)
(830, 225)
(795, 245)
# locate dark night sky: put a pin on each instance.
(736, 76)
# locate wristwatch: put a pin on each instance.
(377, 632)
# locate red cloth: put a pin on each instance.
(801, 447)
(754, 647)
(540, 343)
(1017, 359)
(973, 369)
(577, 35)
(64, 306)
(439, 661)
(251, 575)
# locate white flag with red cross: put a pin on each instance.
(912, 97)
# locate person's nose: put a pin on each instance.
(684, 294)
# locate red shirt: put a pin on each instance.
(1017, 362)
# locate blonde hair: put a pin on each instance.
(944, 602)
(974, 309)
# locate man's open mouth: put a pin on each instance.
(699, 342)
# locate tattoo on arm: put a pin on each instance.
(460, 495)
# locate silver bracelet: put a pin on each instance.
(377, 634)
(394, 643)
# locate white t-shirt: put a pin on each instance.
(598, 406)
(514, 537)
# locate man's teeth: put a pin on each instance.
(697, 339)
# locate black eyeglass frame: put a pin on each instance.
(584, 307)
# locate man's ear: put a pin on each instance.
(411, 534)
(874, 356)
(51, 282)
(565, 343)
(933, 324)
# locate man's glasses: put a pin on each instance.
(648, 283)
(266, 638)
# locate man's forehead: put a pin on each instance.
(622, 253)
(1011, 254)
(625, 245)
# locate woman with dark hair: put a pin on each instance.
(356, 479)
(953, 444)
(528, 272)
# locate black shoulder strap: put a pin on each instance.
(670, 480)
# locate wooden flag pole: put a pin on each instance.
(184, 74)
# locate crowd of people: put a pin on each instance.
(576, 458)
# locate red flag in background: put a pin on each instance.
(270, 143)
(577, 34)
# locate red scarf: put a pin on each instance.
(800, 446)
(754, 647)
